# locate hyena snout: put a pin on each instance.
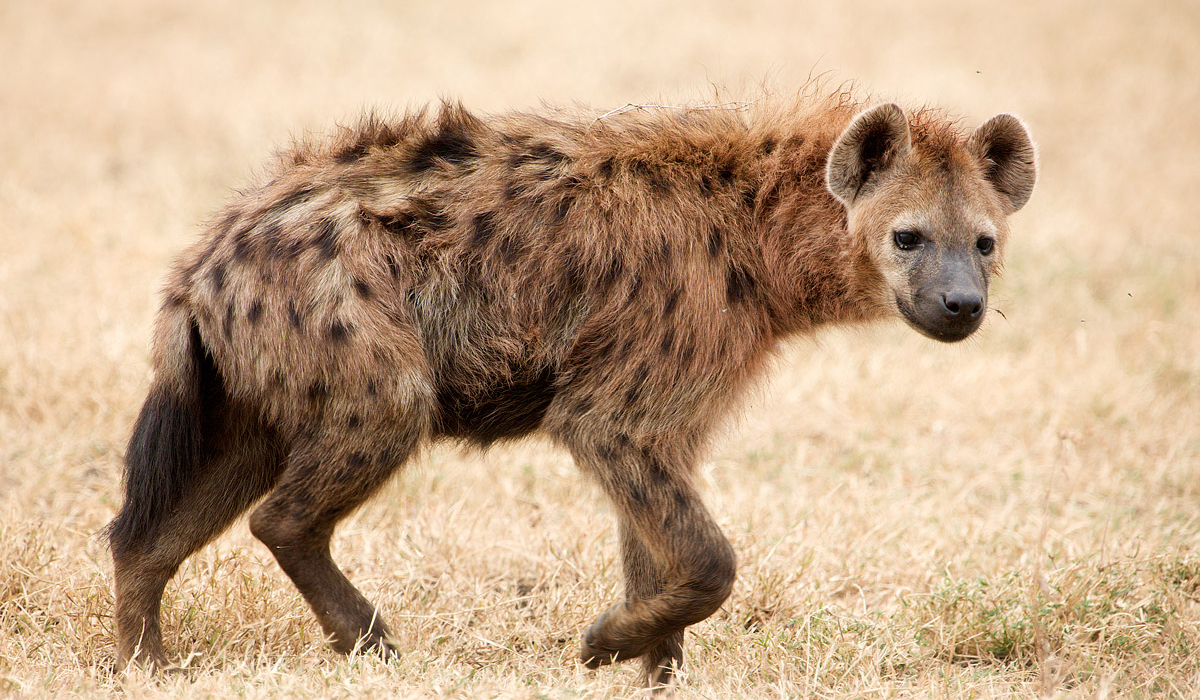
(962, 306)
(950, 306)
(947, 314)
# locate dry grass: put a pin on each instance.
(1015, 517)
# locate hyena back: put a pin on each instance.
(614, 284)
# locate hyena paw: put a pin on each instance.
(594, 652)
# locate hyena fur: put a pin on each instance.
(614, 284)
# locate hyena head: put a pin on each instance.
(932, 211)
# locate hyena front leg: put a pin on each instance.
(680, 567)
(643, 580)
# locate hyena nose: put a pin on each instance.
(961, 306)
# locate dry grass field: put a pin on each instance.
(1016, 516)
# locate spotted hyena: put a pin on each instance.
(614, 284)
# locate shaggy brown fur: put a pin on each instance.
(615, 284)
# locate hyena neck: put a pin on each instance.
(817, 274)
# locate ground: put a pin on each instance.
(1016, 516)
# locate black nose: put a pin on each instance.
(961, 306)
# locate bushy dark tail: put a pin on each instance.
(168, 442)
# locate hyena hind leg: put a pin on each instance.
(328, 476)
(242, 461)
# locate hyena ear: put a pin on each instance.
(1009, 160)
(875, 141)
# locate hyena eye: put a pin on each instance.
(985, 244)
(906, 239)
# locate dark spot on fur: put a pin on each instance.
(338, 331)
(573, 272)
(393, 266)
(651, 175)
(298, 196)
(174, 300)
(362, 289)
(547, 153)
(216, 276)
(725, 174)
(353, 152)
(354, 422)
(326, 239)
(672, 302)
(243, 245)
(292, 249)
(229, 313)
(373, 132)
(450, 144)
(624, 442)
(606, 454)
(560, 211)
(665, 252)
(277, 379)
(272, 239)
(771, 198)
(422, 216)
(639, 379)
(655, 469)
(706, 185)
(581, 407)
(739, 285)
(511, 248)
(634, 289)
(606, 168)
(749, 196)
(685, 356)
(612, 272)
(483, 228)
(542, 153)
(294, 315)
(716, 240)
(357, 460)
(399, 224)
(637, 494)
(372, 388)
(317, 391)
(768, 145)
(668, 342)
(255, 311)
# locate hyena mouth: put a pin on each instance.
(938, 328)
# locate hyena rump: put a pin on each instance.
(614, 284)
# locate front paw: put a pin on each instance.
(594, 653)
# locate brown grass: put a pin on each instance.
(1014, 517)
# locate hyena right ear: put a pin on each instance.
(1008, 155)
(875, 141)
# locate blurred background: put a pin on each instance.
(1071, 423)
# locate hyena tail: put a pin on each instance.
(168, 442)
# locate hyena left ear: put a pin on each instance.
(874, 142)
(1009, 160)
